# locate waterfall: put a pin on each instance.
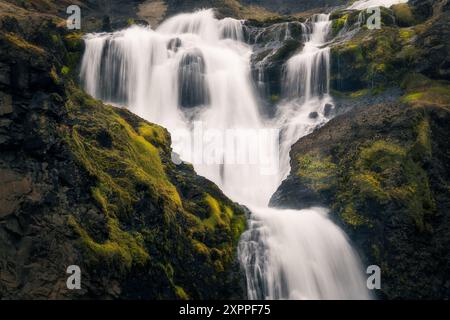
(364, 4)
(308, 72)
(192, 76)
(290, 254)
(293, 254)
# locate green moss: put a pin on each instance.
(371, 59)
(438, 95)
(385, 172)
(215, 211)
(421, 91)
(23, 44)
(339, 23)
(56, 39)
(380, 155)
(121, 249)
(156, 135)
(201, 248)
(403, 14)
(359, 93)
(369, 185)
(406, 34)
(423, 142)
(318, 172)
(54, 76)
(224, 217)
(133, 162)
(74, 40)
(65, 70)
(251, 12)
(135, 186)
(408, 55)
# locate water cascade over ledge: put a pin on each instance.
(192, 75)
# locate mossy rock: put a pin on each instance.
(404, 16)
(380, 170)
(130, 161)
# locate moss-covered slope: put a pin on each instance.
(411, 39)
(93, 185)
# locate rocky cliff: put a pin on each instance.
(83, 183)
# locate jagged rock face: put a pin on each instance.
(86, 184)
(385, 188)
(273, 45)
(408, 40)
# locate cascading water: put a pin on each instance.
(301, 254)
(192, 75)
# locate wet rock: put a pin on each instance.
(193, 88)
(327, 109)
(313, 115)
(13, 189)
(174, 44)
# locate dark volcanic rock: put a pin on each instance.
(386, 187)
(380, 165)
(86, 184)
(313, 115)
(193, 87)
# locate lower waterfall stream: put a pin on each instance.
(192, 76)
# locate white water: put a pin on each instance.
(364, 4)
(196, 69)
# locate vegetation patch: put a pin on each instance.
(149, 222)
(317, 171)
(422, 91)
(20, 42)
(385, 172)
(403, 14)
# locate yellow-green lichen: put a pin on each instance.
(317, 171)
(181, 294)
(23, 44)
(121, 249)
(351, 217)
(386, 172)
